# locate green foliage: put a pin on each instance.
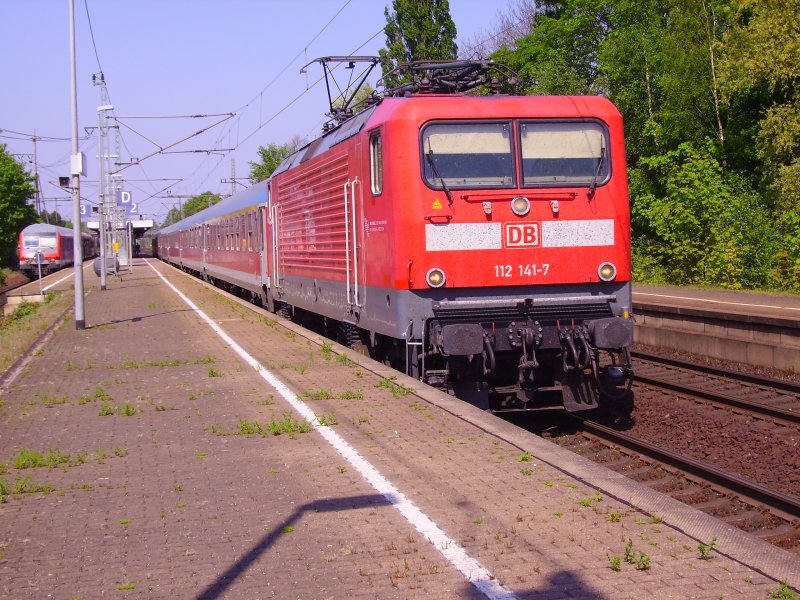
(269, 159)
(416, 30)
(16, 187)
(709, 94)
(190, 207)
(694, 224)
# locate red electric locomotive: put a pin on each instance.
(480, 243)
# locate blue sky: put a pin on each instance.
(182, 57)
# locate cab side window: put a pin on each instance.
(376, 163)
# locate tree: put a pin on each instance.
(201, 202)
(416, 30)
(16, 187)
(270, 157)
(191, 206)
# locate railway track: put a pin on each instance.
(761, 397)
(723, 441)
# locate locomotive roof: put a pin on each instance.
(255, 194)
(448, 106)
(46, 228)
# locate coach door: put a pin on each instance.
(354, 237)
(273, 262)
(262, 247)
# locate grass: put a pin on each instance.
(212, 372)
(21, 485)
(30, 459)
(285, 424)
(19, 332)
(525, 457)
(396, 389)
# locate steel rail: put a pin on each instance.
(782, 504)
(769, 382)
(785, 417)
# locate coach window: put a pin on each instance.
(376, 163)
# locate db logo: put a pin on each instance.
(521, 235)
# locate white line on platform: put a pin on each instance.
(716, 301)
(44, 289)
(472, 570)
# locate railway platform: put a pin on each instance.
(753, 328)
(188, 445)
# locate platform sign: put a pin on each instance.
(125, 200)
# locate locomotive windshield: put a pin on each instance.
(563, 152)
(467, 155)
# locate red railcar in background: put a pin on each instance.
(55, 245)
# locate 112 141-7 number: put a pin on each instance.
(529, 270)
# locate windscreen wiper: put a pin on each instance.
(435, 170)
(593, 186)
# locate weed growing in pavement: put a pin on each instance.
(784, 592)
(288, 529)
(396, 389)
(351, 395)
(124, 521)
(249, 427)
(128, 410)
(615, 562)
(327, 351)
(106, 410)
(327, 420)
(85, 399)
(101, 394)
(52, 400)
(202, 455)
(219, 429)
(549, 483)
(525, 457)
(526, 472)
(478, 521)
(319, 395)
(341, 468)
(343, 360)
(288, 424)
(629, 553)
(643, 562)
(656, 520)
(120, 452)
(30, 459)
(706, 549)
(268, 401)
(132, 364)
(21, 485)
(613, 517)
(178, 487)
(362, 420)
(212, 372)
(126, 586)
(206, 360)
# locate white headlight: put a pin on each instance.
(435, 278)
(607, 271)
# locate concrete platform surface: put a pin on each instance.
(178, 463)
